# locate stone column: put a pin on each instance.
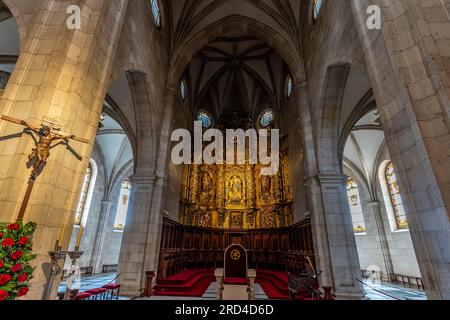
(107, 207)
(142, 236)
(375, 211)
(335, 246)
(409, 54)
(134, 238)
(62, 76)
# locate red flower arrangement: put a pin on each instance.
(22, 291)
(4, 279)
(16, 255)
(13, 226)
(8, 242)
(15, 259)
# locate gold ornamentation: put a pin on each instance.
(236, 196)
(235, 254)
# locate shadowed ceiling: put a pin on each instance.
(236, 71)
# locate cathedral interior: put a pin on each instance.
(362, 194)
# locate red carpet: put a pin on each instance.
(275, 285)
(189, 283)
(194, 283)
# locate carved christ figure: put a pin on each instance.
(46, 136)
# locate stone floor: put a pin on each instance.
(384, 291)
(391, 291)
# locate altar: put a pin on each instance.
(236, 196)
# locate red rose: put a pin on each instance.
(16, 268)
(23, 241)
(8, 242)
(22, 291)
(13, 226)
(22, 277)
(3, 295)
(2, 264)
(16, 255)
(4, 279)
(1, 235)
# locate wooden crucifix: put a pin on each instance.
(46, 135)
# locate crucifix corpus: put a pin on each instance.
(46, 134)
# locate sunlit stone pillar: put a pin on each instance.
(131, 266)
(375, 211)
(409, 53)
(335, 246)
(142, 235)
(101, 234)
(61, 75)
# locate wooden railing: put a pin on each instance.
(282, 249)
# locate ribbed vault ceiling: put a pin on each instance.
(236, 71)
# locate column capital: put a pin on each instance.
(143, 180)
(332, 178)
(374, 204)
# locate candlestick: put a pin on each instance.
(56, 257)
(62, 233)
(57, 246)
(80, 233)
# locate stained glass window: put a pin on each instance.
(122, 206)
(316, 8)
(205, 118)
(183, 90)
(156, 13)
(289, 87)
(266, 118)
(354, 200)
(395, 197)
(84, 194)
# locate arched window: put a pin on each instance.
(354, 199)
(266, 118)
(395, 197)
(183, 90)
(86, 194)
(4, 78)
(205, 119)
(316, 8)
(156, 12)
(122, 206)
(289, 87)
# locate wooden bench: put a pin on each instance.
(87, 271)
(108, 268)
(407, 280)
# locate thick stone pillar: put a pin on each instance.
(61, 75)
(409, 54)
(335, 246)
(107, 207)
(131, 267)
(142, 236)
(375, 211)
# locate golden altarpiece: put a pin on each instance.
(233, 196)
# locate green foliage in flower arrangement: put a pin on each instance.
(15, 259)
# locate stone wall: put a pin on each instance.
(400, 257)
